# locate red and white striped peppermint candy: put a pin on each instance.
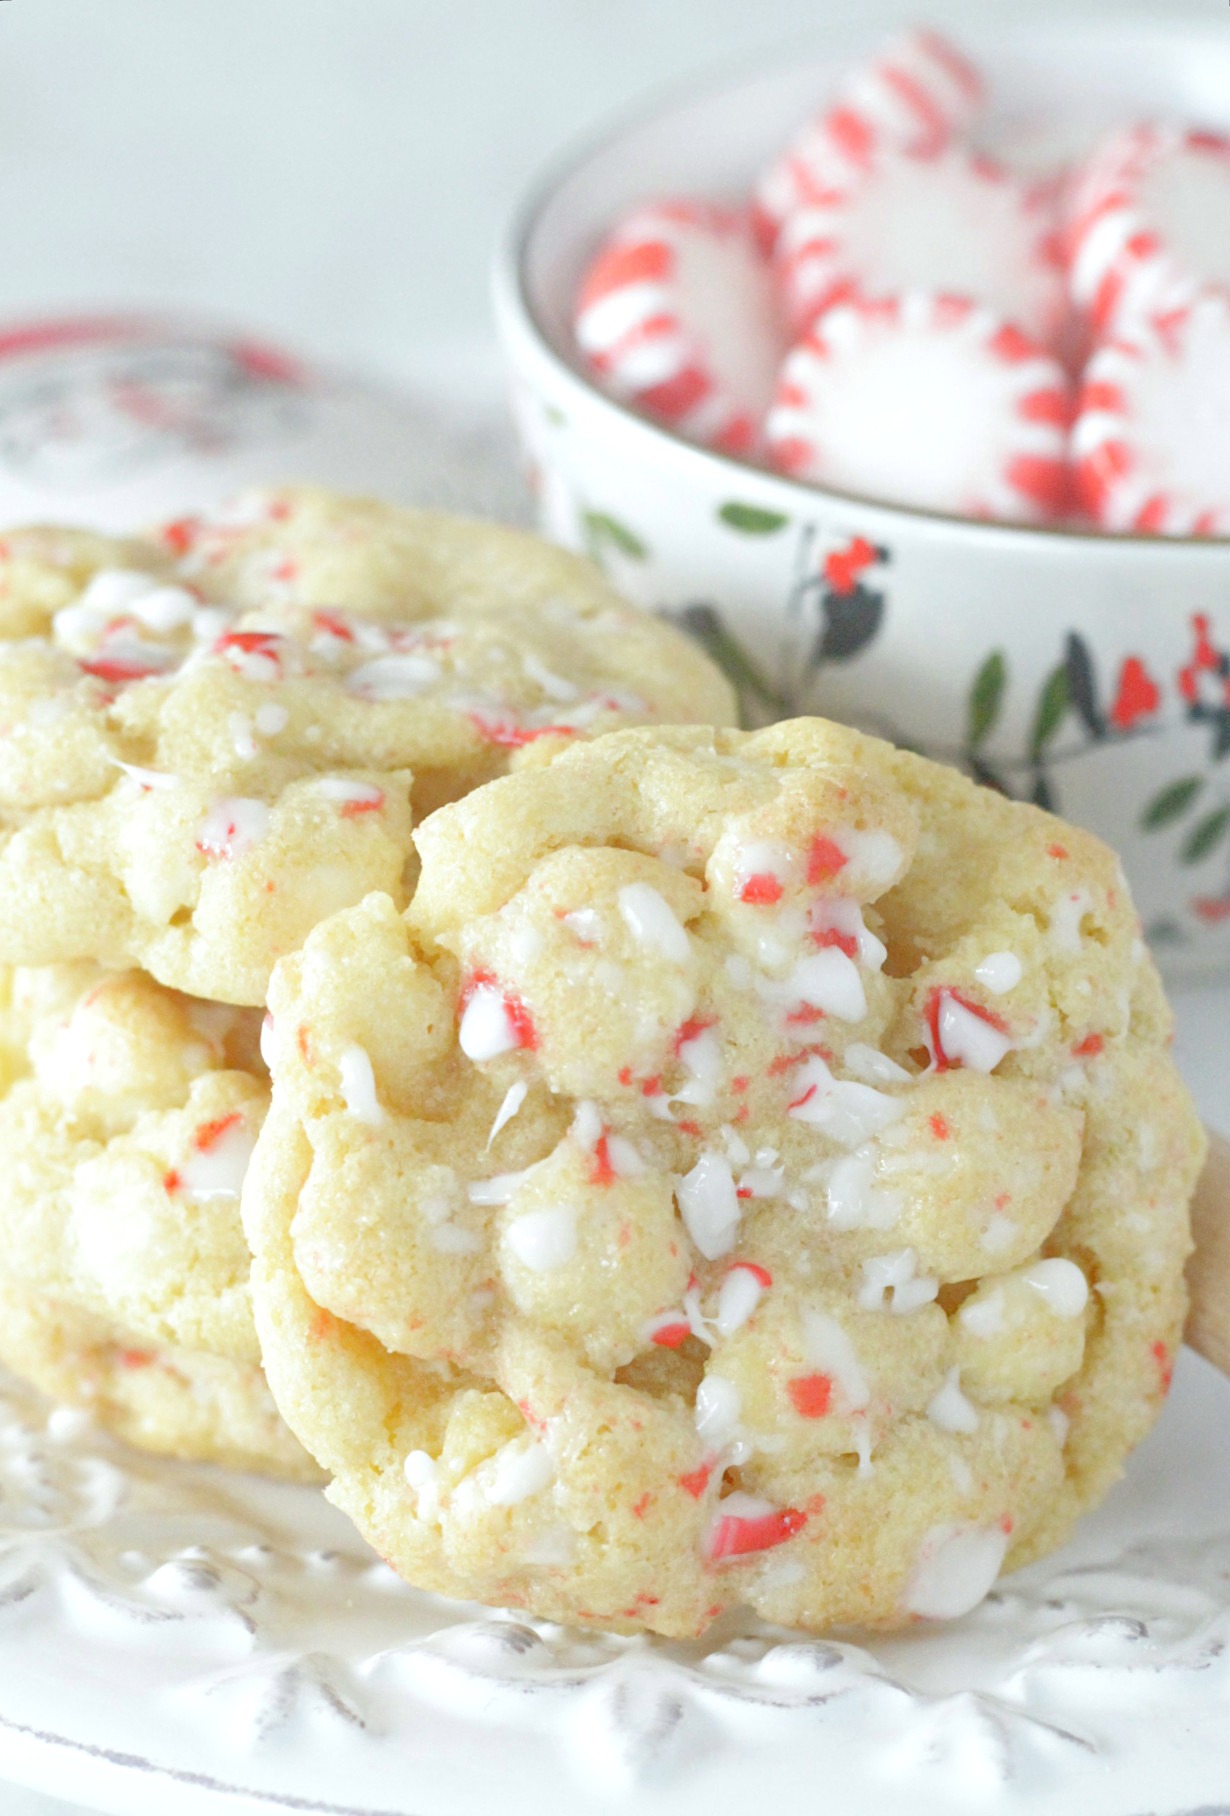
(1149, 224)
(678, 315)
(925, 400)
(918, 95)
(948, 222)
(1151, 444)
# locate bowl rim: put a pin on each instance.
(516, 313)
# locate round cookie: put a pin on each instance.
(751, 1173)
(216, 737)
(178, 1403)
(122, 1149)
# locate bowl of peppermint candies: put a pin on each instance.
(901, 377)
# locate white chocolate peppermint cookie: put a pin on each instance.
(211, 739)
(174, 1402)
(751, 1173)
(123, 1147)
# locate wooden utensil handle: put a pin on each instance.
(1208, 1271)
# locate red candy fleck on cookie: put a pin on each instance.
(825, 858)
(697, 1480)
(231, 828)
(961, 1032)
(810, 1395)
(209, 1134)
(761, 890)
(492, 1020)
(508, 734)
(256, 655)
(744, 1524)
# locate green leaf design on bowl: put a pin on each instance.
(751, 519)
(1171, 803)
(1206, 836)
(602, 532)
(986, 697)
(1053, 704)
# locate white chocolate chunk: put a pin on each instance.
(1060, 1283)
(949, 1408)
(999, 972)
(652, 922)
(956, 1566)
(359, 1085)
(544, 1240)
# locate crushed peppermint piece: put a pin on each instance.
(353, 798)
(854, 1201)
(218, 1159)
(232, 828)
(848, 1112)
(709, 1205)
(829, 1349)
(963, 1033)
(872, 1066)
(147, 779)
(892, 1283)
(492, 1022)
(746, 1523)
(829, 981)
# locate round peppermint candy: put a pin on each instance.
(917, 95)
(1151, 445)
(929, 401)
(677, 315)
(948, 222)
(1149, 224)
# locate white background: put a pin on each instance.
(335, 172)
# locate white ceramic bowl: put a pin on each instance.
(1089, 673)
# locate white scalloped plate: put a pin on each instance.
(177, 1641)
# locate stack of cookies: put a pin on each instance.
(679, 1169)
(213, 739)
